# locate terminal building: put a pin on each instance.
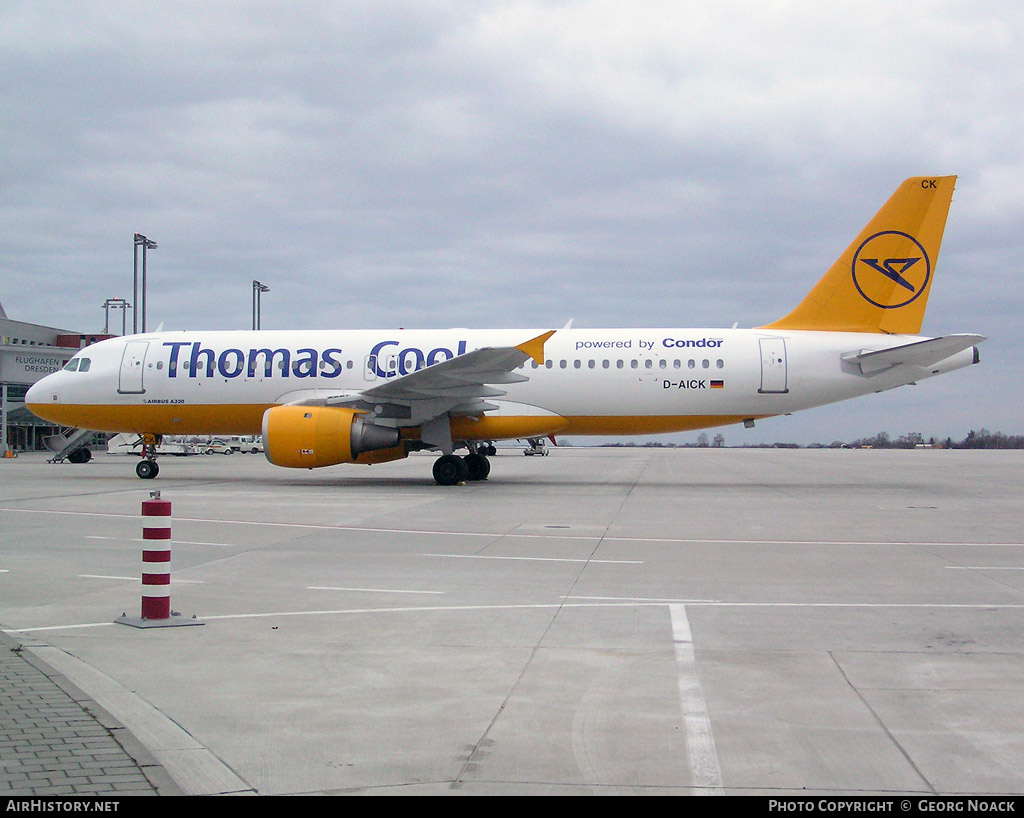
(29, 352)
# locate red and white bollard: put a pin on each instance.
(156, 558)
(156, 569)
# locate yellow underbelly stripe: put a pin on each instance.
(246, 419)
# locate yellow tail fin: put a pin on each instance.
(881, 282)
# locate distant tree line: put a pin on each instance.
(976, 439)
(983, 439)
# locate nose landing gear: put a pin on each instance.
(147, 467)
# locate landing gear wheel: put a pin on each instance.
(450, 470)
(147, 469)
(477, 466)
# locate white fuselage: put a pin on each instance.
(600, 381)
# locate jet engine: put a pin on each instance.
(306, 437)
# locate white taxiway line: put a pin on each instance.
(514, 535)
(705, 771)
(587, 560)
(573, 603)
(985, 568)
(369, 590)
(139, 579)
(171, 542)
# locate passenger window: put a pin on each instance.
(705, 363)
(720, 363)
(605, 364)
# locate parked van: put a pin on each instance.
(247, 444)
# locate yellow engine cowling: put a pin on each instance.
(307, 437)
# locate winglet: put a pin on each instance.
(535, 347)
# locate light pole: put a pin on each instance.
(117, 304)
(145, 244)
(257, 290)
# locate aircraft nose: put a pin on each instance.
(39, 393)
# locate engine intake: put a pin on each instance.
(307, 437)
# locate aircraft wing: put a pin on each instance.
(918, 353)
(457, 386)
(467, 376)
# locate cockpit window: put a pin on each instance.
(77, 365)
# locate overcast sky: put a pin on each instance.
(515, 164)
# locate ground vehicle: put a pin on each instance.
(132, 444)
(247, 444)
(536, 447)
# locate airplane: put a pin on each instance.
(322, 398)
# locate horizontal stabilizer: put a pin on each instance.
(919, 353)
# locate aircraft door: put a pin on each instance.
(133, 362)
(774, 370)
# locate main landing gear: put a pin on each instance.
(450, 469)
(147, 467)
